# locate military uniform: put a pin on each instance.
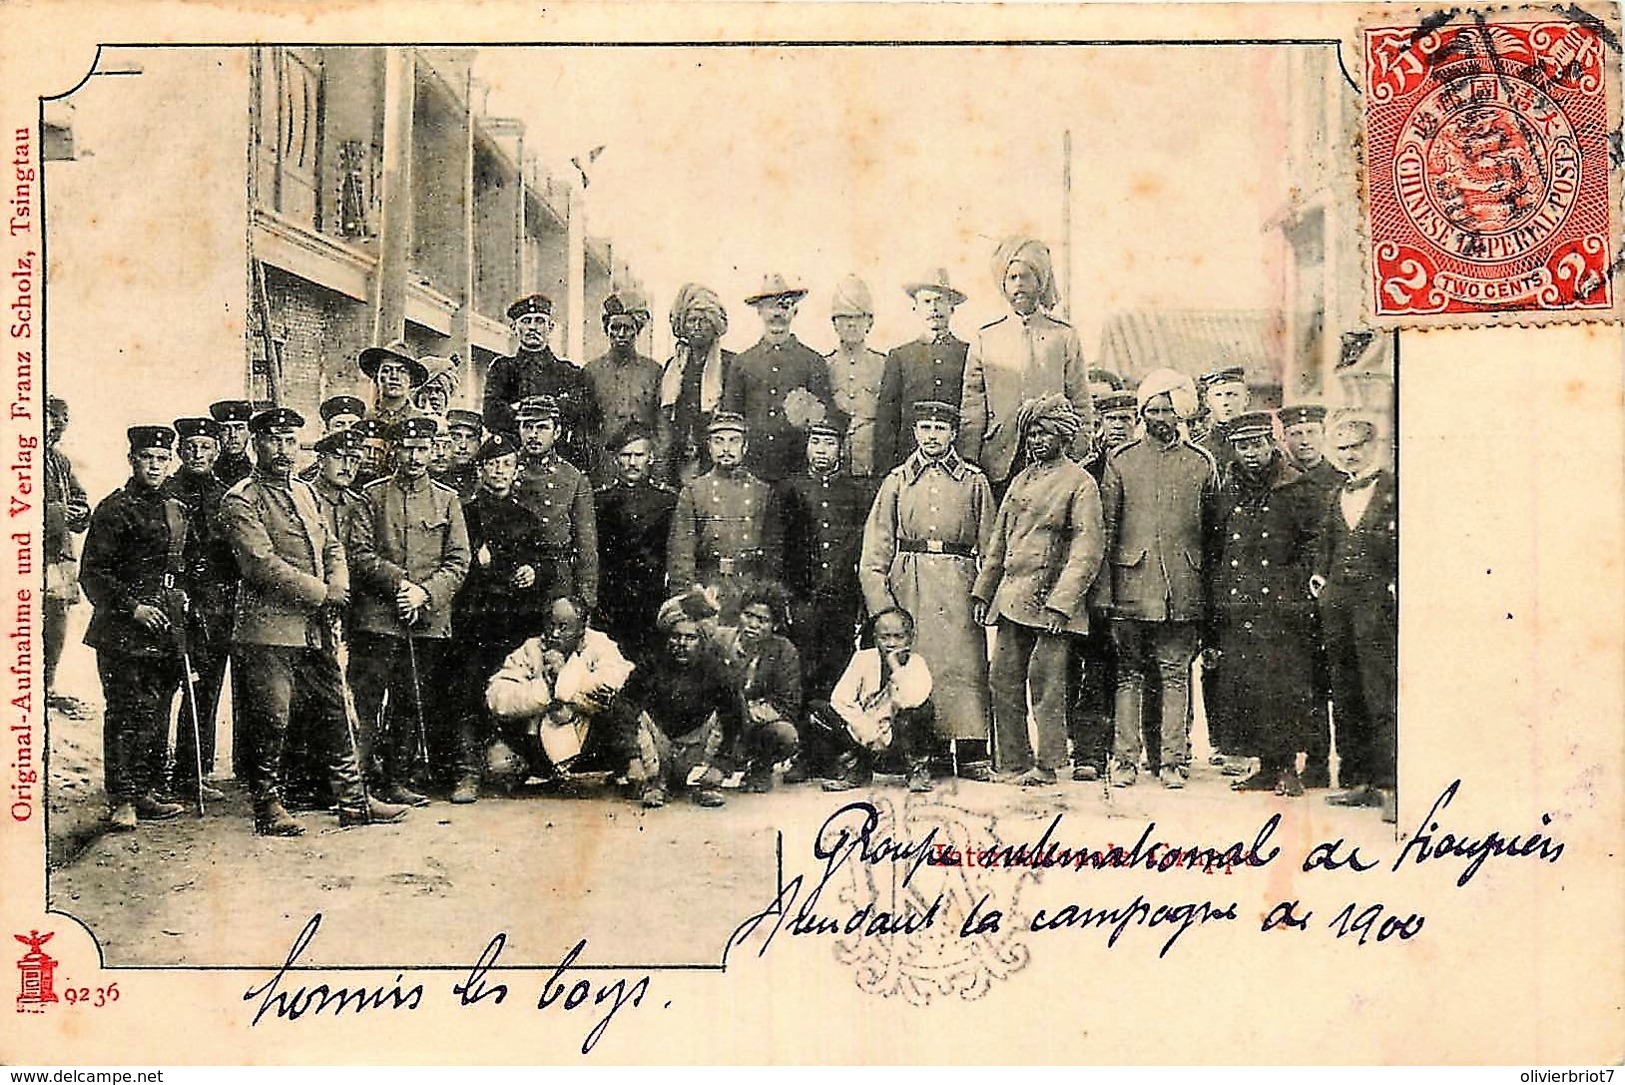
(1018, 358)
(624, 390)
(930, 368)
(634, 526)
(125, 564)
(212, 572)
(407, 530)
(762, 386)
(1155, 500)
(540, 373)
(1263, 542)
(295, 583)
(823, 537)
(1323, 480)
(855, 380)
(560, 497)
(67, 513)
(725, 530)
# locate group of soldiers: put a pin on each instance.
(745, 568)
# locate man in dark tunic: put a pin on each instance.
(536, 371)
(634, 526)
(560, 498)
(233, 464)
(625, 384)
(692, 383)
(212, 570)
(1304, 426)
(824, 512)
(133, 545)
(931, 367)
(779, 385)
(1258, 636)
(499, 605)
(467, 431)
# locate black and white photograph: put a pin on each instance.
(912, 522)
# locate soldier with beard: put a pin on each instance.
(625, 384)
(634, 523)
(692, 382)
(1260, 652)
(779, 385)
(536, 371)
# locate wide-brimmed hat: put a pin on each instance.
(776, 286)
(937, 281)
(373, 357)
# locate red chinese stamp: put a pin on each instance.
(1487, 169)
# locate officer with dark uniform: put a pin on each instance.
(634, 524)
(295, 586)
(341, 412)
(930, 367)
(212, 571)
(409, 553)
(535, 371)
(233, 463)
(338, 456)
(1304, 426)
(778, 385)
(467, 430)
(1258, 637)
(824, 512)
(499, 605)
(726, 529)
(558, 494)
(374, 452)
(127, 571)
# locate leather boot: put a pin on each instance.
(272, 819)
(466, 791)
(148, 808)
(401, 795)
(853, 769)
(375, 812)
(122, 817)
(919, 775)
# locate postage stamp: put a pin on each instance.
(1487, 168)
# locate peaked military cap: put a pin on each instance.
(334, 406)
(275, 418)
(197, 427)
(498, 444)
(1230, 374)
(231, 410)
(536, 409)
(529, 304)
(1301, 412)
(461, 418)
(933, 410)
(1117, 401)
(370, 359)
(421, 425)
(344, 440)
(1249, 425)
(727, 422)
(150, 437)
(823, 427)
(368, 427)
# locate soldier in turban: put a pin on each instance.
(691, 385)
(1034, 586)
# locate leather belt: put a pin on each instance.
(935, 546)
(731, 565)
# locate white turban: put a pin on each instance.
(1180, 389)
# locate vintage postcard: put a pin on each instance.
(812, 533)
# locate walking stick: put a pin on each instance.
(197, 726)
(417, 697)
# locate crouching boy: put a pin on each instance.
(559, 693)
(884, 701)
